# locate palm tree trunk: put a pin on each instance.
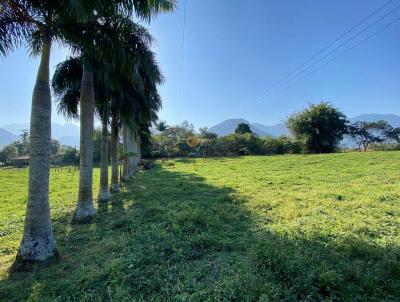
(85, 208)
(139, 152)
(139, 149)
(104, 194)
(133, 161)
(127, 155)
(135, 151)
(38, 243)
(114, 155)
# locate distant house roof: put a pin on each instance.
(21, 157)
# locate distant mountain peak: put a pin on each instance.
(6, 137)
(67, 134)
(392, 119)
(228, 126)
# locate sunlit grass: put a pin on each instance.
(251, 228)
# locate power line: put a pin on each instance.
(183, 49)
(293, 83)
(294, 71)
(183, 41)
(341, 54)
(331, 52)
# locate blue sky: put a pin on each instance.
(235, 50)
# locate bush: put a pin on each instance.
(179, 141)
(282, 145)
(230, 145)
(385, 147)
(70, 156)
(243, 144)
(321, 127)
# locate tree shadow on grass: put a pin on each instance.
(172, 236)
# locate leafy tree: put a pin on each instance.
(180, 132)
(24, 136)
(392, 134)
(206, 134)
(365, 133)
(70, 156)
(161, 126)
(23, 143)
(55, 146)
(243, 128)
(7, 153)
(242, 144)
(320, 127)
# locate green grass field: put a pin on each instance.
(280, 228)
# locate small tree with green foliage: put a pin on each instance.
(7, 153)
(161, 126)
(365, 133)
(320, 127)
(243, 128)
(205, 133)
(70, 156)
(392, 134)
(55, 146)
(281, 145)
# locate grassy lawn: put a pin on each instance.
(281, 228)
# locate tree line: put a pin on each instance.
(112, 73)
(62, 155)
(320, 128)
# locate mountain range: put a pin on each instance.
(228, 126)
(67, 134)
(6, 137)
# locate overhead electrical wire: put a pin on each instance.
(183, 39)
(298, 71)
(336, 57)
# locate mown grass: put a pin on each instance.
(282, 228)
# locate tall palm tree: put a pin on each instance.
(129, 93)
(114, 187)
(117, 84)
(37, 23)
(66, 85)
(91, 37)
(127, 145)
(104, 192)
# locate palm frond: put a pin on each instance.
(66, 85)
(16, 26)
(146, 9)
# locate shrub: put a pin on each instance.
(321, 127)
(243, 144)
(282, 145)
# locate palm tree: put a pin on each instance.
(91, 37)
(66, 85)
(135, 76)
(119, 84)
(38, 24)
(104, 193)
(134, 151)
(114, 187)
(145, 102)
(127, 145)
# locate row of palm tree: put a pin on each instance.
(112, 73)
